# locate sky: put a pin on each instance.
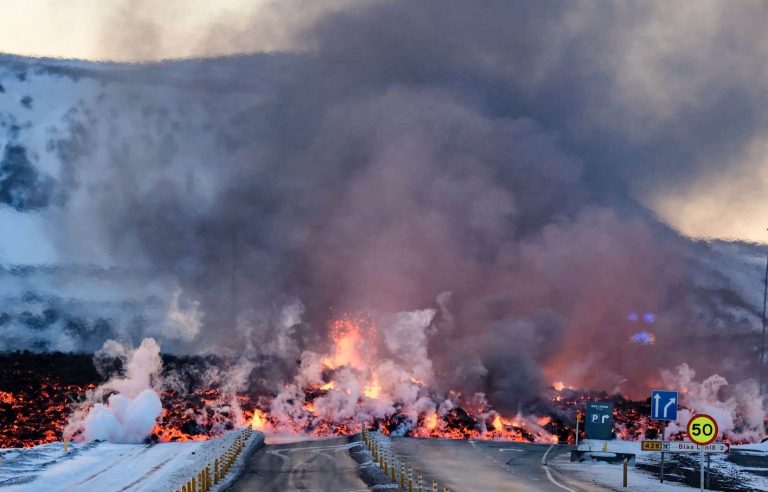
(146, 30)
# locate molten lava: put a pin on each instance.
(259, 421)
(352, 386)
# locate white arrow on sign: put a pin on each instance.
(666, 407)
(656, 403)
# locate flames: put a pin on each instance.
(351, 386)
(359, 383)
(259, 420)
(373, 390)
(350, 343)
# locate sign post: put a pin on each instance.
(599, 423)
(663, 407)
(577, 428)
(702, 430)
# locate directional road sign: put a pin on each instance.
(684, 447)
(664, 405)
(702, 429)
(599, 420)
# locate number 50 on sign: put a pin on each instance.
(702, 429)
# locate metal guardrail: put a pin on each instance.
(393, 466)
(212, 474)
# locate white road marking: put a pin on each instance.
(549, 474)
(320, 448)
(510, 449)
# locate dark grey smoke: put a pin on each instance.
(496, 151)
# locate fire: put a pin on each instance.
(7, 398)
(36, 406)
(350, 343)
(259, 421)
(431, 422)
(373, 390)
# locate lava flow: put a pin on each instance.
(363, 380)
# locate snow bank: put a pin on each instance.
(110, 466)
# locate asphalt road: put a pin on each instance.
(302, 466)
(487, 466)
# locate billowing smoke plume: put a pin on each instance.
(133, 405)
(488, 170)
(738, 409)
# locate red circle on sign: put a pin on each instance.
(714, 422)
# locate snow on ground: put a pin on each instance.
(109, 467)
(610, 474)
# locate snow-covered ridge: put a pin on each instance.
(60, 288)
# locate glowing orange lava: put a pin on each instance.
(373, 390)
(259, 421)
(7, 398)
(351, 344)
(431, 422)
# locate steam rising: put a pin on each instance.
(133, 406)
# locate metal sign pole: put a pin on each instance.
(663, 438)
(577, 429)
(701, 474)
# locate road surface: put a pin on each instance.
(315, 466)
(472, 466)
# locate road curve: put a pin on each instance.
(316, 466)
(472, 466)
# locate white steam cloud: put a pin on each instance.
(133, 406)
(737, 408)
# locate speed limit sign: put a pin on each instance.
(702, 429)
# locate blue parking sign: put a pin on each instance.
(599, 423)
(664, 405)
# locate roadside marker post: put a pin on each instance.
(626, 461)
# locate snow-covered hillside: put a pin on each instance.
(60, 286)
